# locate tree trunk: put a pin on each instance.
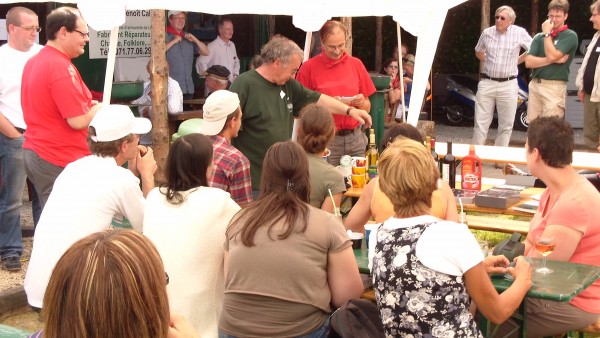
(485, 21)
(159, 76)
(378, 43)
(535, 5)
(347, 21)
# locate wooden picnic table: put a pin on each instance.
(516, 155)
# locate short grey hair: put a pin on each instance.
(280, 47)
(512, 16)
(596, 6)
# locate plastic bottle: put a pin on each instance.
(471, 171)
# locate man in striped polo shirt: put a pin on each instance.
(498, 48)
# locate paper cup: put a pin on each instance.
(359, 170)
(368, 228)
(359, 161)
(358, 181)
(356, 238)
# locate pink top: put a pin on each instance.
(578, 208)
(52, 91)
(344, 77)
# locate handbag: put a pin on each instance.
(511, 247)
(357, 318)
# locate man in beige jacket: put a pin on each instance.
(587, 85)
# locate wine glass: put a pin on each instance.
(544, 245)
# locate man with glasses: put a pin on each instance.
(181, 47)
(550, 57)
(498, 48)
(337, 74)
(22, 26)
(270, 97)
(57, 105)
(588, 84)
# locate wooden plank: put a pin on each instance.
(497, 224)
(581, 159)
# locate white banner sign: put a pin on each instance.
(134, 37)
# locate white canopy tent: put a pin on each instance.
(423, 19)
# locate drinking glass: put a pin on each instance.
(544, 245)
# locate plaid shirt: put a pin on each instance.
(231, 171)
(502, 50)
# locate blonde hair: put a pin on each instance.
(408, 176)
(108, 284)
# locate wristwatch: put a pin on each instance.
(546, 35)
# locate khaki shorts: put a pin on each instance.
(546, 98)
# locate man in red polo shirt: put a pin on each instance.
(57, 105)
(337, 74)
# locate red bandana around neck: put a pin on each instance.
(554, 32)
(331, 62)
(172, 30)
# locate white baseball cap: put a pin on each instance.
(116, 121)
(217, 107)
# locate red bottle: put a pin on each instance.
(471, 171)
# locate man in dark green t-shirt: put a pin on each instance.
(270, 97)
(550, 56)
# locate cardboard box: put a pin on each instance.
(497, 198)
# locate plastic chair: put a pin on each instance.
(188, 127)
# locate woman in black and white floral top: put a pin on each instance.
(426, 270)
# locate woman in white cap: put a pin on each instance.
(186, 220)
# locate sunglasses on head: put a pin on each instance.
(500, 17)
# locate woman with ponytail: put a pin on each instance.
(316, 129)
(286, 262)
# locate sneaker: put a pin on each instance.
(11, 264)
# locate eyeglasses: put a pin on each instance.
(167, 278)
(555, 17)
(500, 17)
(392, 66)
(333, 48)
(31, 28)
(83, 34)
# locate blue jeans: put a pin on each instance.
(11, 196)
(320, 332)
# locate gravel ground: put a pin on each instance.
(10, 279)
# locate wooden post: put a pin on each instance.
(159, 76)
(535, 5)
(485, 22)
(347, 21)
(378, 43)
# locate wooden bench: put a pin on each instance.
(176, 119)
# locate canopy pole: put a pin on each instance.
(110, 65)
(307, 44)
(402, 106)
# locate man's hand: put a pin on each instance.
(547, 26)
(358, 100)
(361, 116)
(176, 39)
(145, 163)
(563, 59)
(580, 95)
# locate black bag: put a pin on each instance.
(357, 318)
(511, 247)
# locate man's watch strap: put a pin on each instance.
(546, 35)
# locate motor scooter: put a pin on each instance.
(460, 104)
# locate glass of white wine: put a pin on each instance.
(544, 245)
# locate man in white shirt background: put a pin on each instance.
(23, 27)
(222, 51)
